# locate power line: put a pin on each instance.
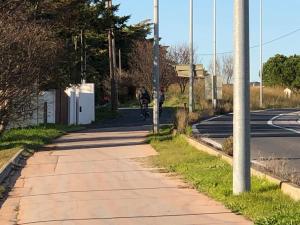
(257, 45)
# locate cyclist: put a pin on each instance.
(161, 100)
(144, 100)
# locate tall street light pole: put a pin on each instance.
(191, 82)
(214, 76)
(156, 68)
(241, 118)
(261, 54)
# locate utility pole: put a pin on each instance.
(119, 73)
(261, 55)
(120, 62)
(115, 69)
(214, 75)
(191, 84)
(81, 55)
(111, 62)
(241, 117)
(156, 68)
(85, 64)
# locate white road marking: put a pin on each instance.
(270, 122)
(194, 127)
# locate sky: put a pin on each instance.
(280, 17)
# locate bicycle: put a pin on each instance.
(145, 111)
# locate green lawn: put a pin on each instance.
(265, 204)
(29, 138)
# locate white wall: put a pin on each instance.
(36, 115)
(49, 97)
(81, 104)
(80, 97)
(86, 104)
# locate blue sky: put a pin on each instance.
(280, 17)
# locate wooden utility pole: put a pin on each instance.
(82, 57)
(111, 48)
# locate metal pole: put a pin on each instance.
(241, 118)
(191, 84)
(156, 68)
(214, 76)
(261, 54)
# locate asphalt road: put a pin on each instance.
(275, 135)
(131, 117)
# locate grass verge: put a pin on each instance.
(265, 204)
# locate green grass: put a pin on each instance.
(30, 138)
(265, 204)
(33, 137)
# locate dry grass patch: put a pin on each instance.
(6, 155)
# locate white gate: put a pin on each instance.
(86, 104)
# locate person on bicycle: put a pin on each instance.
(143, 98)
(161, 99)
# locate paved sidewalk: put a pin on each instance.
(94, 178)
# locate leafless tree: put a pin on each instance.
(180, 55)
(27, 56)
(227, 68)
(141, 64)
(218, 67)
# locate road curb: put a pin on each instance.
(10, 165)
(287, 188)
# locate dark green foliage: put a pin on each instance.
(282, 71)
(66, 19)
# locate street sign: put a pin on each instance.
(208, 87)
(183, 70)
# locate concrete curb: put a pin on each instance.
(287, 188)
(9, 166)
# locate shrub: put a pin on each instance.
(193, 117)
(181, 120)
(228, 146)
